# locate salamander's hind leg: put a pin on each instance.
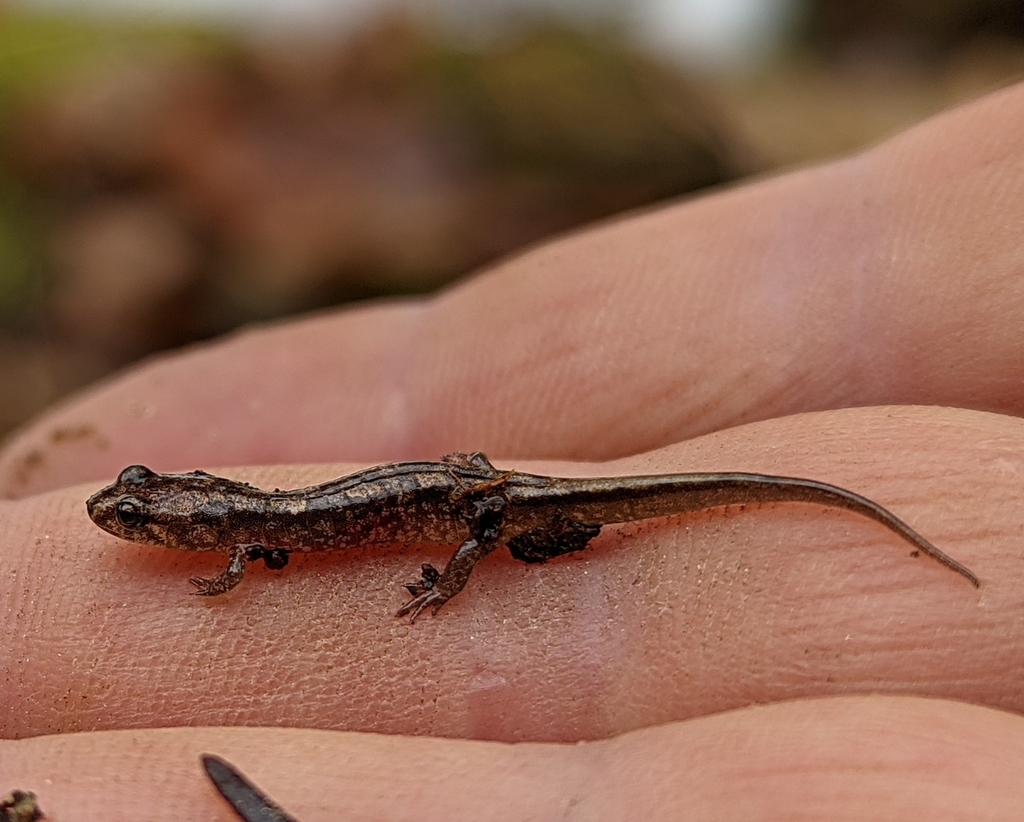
(562, 536)
(239, 557)
(435, 588)
(474, 460)
(474, 486)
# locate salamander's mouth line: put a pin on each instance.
(461, 500)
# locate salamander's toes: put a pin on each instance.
(424, 593)
(428, 599)
(205, 587)
(426, 582)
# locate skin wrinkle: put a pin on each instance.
(387, 360)
(831, 303)
(541, 354)
(974, 172)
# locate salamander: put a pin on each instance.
(460, 500)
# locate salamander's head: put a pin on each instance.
(173, 510)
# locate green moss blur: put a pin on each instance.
(39, 52)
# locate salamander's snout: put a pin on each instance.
(142, 506)
(92, 504)
(119, 511)
(101, 508)
(97, 500)
(105, 506)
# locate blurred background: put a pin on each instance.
(169, 172)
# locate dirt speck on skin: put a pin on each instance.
(78, 433)
(20, 806)
(27, 465)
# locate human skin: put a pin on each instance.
(890, 278)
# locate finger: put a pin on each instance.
(849, 758)
(882, 279)
(655, 621)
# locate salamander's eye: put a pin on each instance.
(135, 475)
(130, 512)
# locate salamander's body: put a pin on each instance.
(461, 499)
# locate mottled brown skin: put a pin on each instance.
(461, 499)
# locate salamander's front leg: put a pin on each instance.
(238, 558)
(436, 588)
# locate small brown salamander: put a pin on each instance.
(461, 499)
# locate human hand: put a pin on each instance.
(888, 278)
